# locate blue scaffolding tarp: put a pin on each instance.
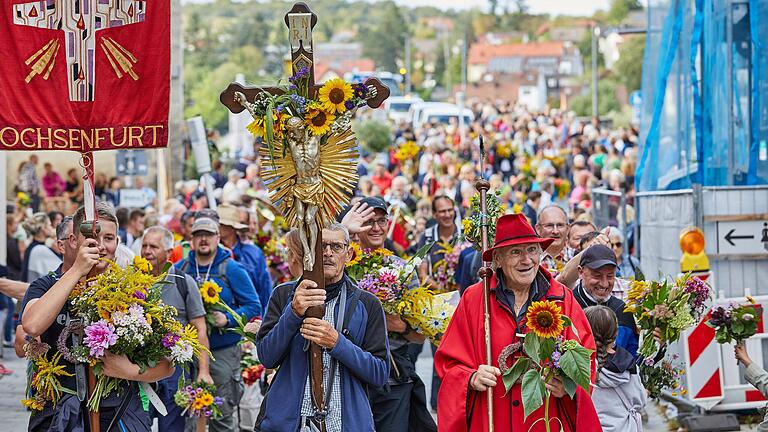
(705, 93)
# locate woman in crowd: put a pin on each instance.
(39, 259)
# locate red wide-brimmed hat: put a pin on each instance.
(514, 229)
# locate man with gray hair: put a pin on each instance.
(354, 337)
(552, 222)
(181, 292)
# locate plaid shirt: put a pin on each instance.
(28, 180)
(333, 406)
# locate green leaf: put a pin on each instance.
(570, 386)
(521, 365)
(575, 364)
(531, 346)
(547, 347)
(533, 391)
(566, 321)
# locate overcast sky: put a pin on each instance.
(553, 7)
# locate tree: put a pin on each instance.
(440, 64)
(384, 39)
(373, 135)
(629, 67)
(621, 8)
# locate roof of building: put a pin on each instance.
(483, 53)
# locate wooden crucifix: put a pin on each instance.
(310, 178)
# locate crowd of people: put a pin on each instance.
(543, 167)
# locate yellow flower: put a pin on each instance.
(198, 404)
(407, 151)
(33, 404)
(206, 398)
(209, 291)
(466, 224)
(142, 264)
(318, 121)
(256, 127)
(684, 392)
(383, 252)
(545, 319)
(636, 291)
(357, 254)
(333, 94)
(751, 300)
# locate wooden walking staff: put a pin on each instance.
(485, 273)
(90, 228)
(300, 21)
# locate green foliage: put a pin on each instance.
(518, 369)
(629, 67)
(532, 347)
(374, 136)
(620, 9)
(533, 392)
(607, 102)
(575, 364)
(384, 38)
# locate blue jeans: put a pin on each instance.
(166, 388)
(8, 327)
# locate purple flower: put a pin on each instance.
(99, 336)
(360, 90)
(170, 340)
(208, 413)
(649, 361)
(349, 105)
(218, 400)
(556, 359)
(139, 295)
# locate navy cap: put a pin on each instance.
(598, 256)
(376, 203)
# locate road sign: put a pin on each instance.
(133, 198)
(131, 162)
(742, 237)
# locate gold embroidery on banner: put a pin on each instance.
(117, 53)
(43, 59)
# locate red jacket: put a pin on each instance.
(462, 350)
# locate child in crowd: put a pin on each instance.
(755, 375)
(619, 397)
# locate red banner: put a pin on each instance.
(84, 75)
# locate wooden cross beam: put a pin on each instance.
(300, 21)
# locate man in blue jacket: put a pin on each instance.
(247, 255)
(210, 262)
(597, 272)
(354, 337)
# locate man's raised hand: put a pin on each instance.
(307, 295)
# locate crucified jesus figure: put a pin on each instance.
(308, 191)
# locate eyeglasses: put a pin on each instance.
(551, 226)
(382, 222)
(336, 248)
(532, 250)
(618, 244)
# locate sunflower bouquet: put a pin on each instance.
(22, 199)
(198, 399)
(323, 111)
(544, 355)
(472, 225)
(367, 261)
(735, 322)
(669, 306)
(210, 292)
(407, 151)
(122, 312)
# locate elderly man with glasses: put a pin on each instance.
(352, 333)
(518, 281)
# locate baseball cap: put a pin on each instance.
(205, 224)
(376, 203)
(597, 256)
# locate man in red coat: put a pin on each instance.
(460, 361)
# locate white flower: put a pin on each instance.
(416, 261)
(408, 269)
(181, 353)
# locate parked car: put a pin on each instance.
(398, 107)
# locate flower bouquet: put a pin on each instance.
(444, 271)
(45, 381)
(472, 225)
(671, 307)
(547, 354)
(23, 200)
(367, 261)
(407, 151)
(658, 376)
(122, 312)
(210, 292)
(198, 400)
(734, 323)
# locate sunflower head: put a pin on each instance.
(545, 319)
(357, 254)
(318, 120)
(256, 127)
(333, 95)
(209, 291)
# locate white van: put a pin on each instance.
(444, 115)
(418, 108)
(398, 107)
